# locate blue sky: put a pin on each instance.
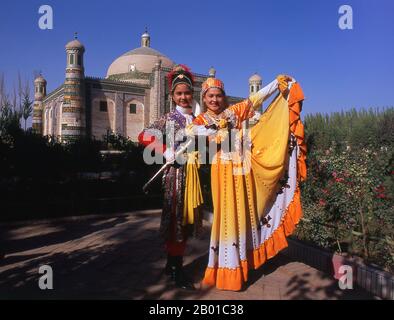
(338, 69)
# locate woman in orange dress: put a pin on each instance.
(254, 178)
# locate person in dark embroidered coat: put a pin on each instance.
(164, 136)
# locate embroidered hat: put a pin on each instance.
(180, 74)
(212, 83)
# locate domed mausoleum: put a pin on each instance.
(139, 60)
(133, 94)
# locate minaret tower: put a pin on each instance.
(73, 110)
(255, 82)
(40, 90)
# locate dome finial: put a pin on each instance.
(212, 72)
(145, 38)
(255, 78)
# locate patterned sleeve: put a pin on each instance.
(263, 94)
(153, 136)
(200, 120)
(243, 110)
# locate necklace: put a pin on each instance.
(215, 117)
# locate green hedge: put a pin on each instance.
(41, 177)
(348, 196)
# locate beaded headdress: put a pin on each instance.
(180, 74)
(212, 83)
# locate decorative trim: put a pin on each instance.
(54, 94)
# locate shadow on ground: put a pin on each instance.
(122, 257)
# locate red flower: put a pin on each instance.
(322, 202)
(339, 179)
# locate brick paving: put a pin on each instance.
(121, 257)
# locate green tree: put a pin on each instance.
(26, 103)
